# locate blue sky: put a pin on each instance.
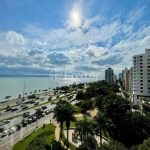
(37, 36)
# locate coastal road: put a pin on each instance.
(24, 129)
(21, 132)
(18, 120)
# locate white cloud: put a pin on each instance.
(136, 15)
(15, 38)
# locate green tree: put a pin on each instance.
(84, 127)
(63, 112)
(7, 97)
(112, 145)
(89, 144)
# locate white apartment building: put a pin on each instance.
(141, 76)
(109, 75)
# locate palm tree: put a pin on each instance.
(59, 115)
(35, 92)
(26, 94)
(84, 128)
(63, 112)
(99, 122)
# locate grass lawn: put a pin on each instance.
(72, 124)
(10, 118)
(78, 110)
(50, 138)
(22, 145)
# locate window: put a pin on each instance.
(141, 84)
(148, 73)
(148, 88)
(141, 77)
(141, 70)
(141, 87)
(141, 63)
(148, 66)
(141, 91)
(141, 56)
(141, 59)
(148, 59)
(141, 73)
(148, 80)
(142, 66)
(142, 80)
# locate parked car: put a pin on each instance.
(19, 126)
(14, 109)
(8, 109)
(4, 133)
(34, 118)
(42, 99)
(30, 115)
(36, 103)
(25, 114)
(12, 130)
(44, 107)
(25, 107)
(30, 121)
(43, 114)
(24, 124)
(47, 112)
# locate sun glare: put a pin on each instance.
(75, 16)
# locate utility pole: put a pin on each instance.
(23, 90)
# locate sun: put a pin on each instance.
(75, 16)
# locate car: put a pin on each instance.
(42, 99)
(19, 126)
(32, 102)
(25, 107)
(30, 115)
(25, 124)
(25, 114)
(34, 118)
(30, 121)
(47, 112)
(36, 103)
(14, 109)
(5, 121)
(44, 107)
(53, 103)
(43, 114)
(12, 130)
(8, 109)
(5, 133)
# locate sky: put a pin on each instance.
(80, 36)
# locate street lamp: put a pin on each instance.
(23, 90)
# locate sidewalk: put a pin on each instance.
(77, 142)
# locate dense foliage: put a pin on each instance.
(39, 143)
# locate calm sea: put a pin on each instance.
(13, 86)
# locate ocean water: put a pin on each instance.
(13, 86)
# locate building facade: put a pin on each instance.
(109, 75)
(141, 76)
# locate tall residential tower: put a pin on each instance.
(109, 75)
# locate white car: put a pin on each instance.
(43, 114)
(12, 130)
(5, 133)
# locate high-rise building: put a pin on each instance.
(114, 78)
(131, 80)
(127, 81)
(120, 76)
(124, 72)
(141, 76)
(109, 75)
